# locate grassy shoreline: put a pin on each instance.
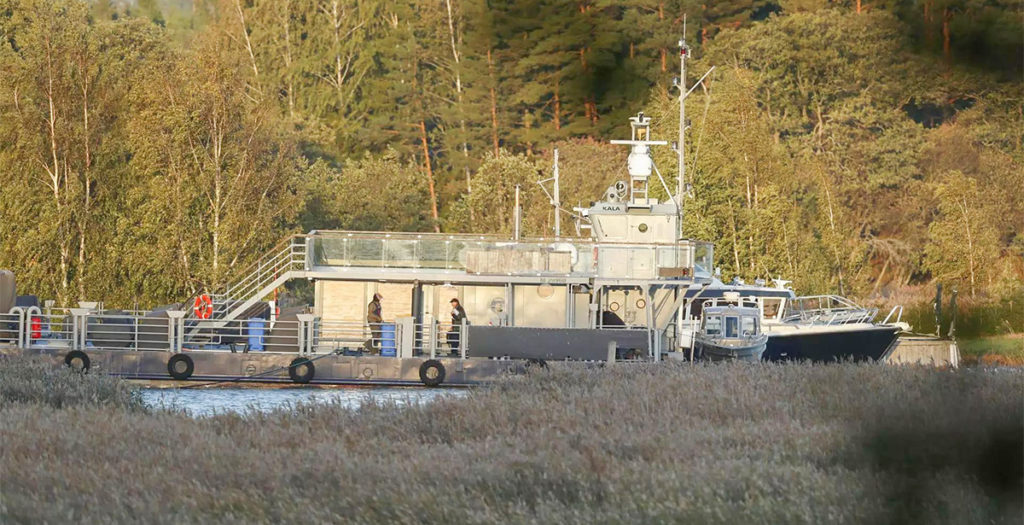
(993, 350)
(638, 444)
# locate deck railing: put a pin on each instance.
(827, 309)
(489, 255)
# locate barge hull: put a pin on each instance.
(260, 367)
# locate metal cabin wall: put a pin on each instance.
(541, 306)
(347, 300)
(476, 300)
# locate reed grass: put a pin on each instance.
(668, 443)
(36, 381)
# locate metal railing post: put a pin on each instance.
(79, 325)
(176, 330)
(464, 337)
(433, 338)
(29, 312)
(305, 333)
(21, 325)
(309, 250)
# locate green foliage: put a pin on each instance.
(963, 244)
(490, 207)
(377, 194)
(151, 149)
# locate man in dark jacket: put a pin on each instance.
(374, 319)
(458, 315)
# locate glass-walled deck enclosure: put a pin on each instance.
(493, 255)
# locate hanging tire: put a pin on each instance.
(301, 370)
(81, 357)
(432, 372)
(180, 367)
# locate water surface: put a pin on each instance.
(209, 401)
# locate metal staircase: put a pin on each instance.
(288, 260)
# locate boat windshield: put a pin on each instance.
(749, 326)
(772, 308)
(732, 327)
(713, 325)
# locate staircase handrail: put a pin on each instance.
(285, 246)
(281, 262)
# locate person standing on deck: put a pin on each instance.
(458, 315)
(374, 319)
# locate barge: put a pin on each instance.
(631, 289)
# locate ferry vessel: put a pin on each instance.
(633, 289)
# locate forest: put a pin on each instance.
(151, 149)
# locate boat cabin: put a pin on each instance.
(731, 322)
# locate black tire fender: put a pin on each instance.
(79, 355)
(301, 370)
(432, 372)
(173, 365)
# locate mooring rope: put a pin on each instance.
(268, 372)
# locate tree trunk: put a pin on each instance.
(287, 14)
(430, 175)
(248, 45)
(970, 242)
(55, 172)
(927, 22)
(735, 239)
(558, 109)
(87, 187)
(458, 98)
(947, 16)
(494, 103)
(664, 52)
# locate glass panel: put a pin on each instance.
(433, 253)
(771, 308)
(329, 251)
(703, 258)
(732, 327)
(749, 326)
(365, 252)
(713, 325)
(400, 253)
(456, 257)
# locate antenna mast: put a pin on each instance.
(555, 200)
(684, 53)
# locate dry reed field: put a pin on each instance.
(669, 443)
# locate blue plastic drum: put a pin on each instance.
(387, 343)
(257, 327)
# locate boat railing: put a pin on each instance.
(292, 255)
(401, 337)
(490, 255)
(827, 310)
(898, 310)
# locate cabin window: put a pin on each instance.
(732, 327)
(713, 325)
(749, 325)
(771, 308)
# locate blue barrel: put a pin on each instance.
(257, 327)
(387, 342)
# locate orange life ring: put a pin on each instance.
(203, 307)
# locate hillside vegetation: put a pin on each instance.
(859, 147)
